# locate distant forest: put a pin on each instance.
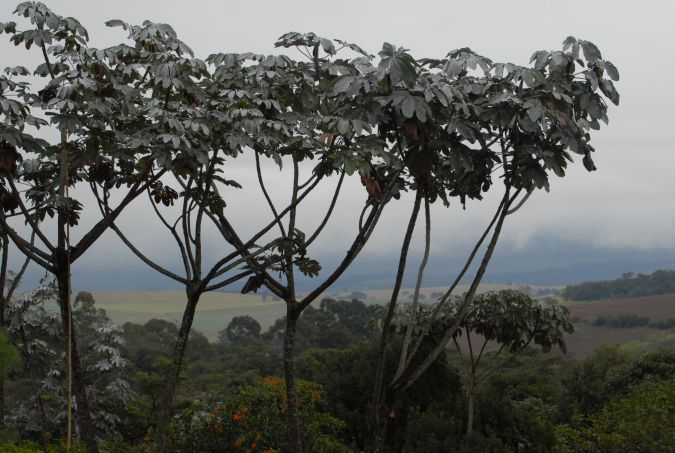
(628, 285)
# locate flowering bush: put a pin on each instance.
(255, 422)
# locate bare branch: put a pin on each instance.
(328, 213)
(418, 286)
(290, 277)
(29, 219)
(453, 286)
(43, 259)
(109, 216)
(145, 259)
(384, 338)
(521, 203)
(261, 182)
(411, 375)
(185, 220)
(17, 278)
(365, 230)
(174, 233)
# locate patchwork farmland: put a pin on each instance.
(217, 309)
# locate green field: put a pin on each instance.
(216, 309)
(214, 312)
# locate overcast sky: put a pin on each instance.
(627, 205)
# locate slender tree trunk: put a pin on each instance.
(380, 410)
(294, 436)
(2, 403)
(3, 305)
(174, 372)
(43, 419)
(470, 395)
(83, 412)
(2, 378)
(382, 423)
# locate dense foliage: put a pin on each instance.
(629, 285)
(231, 396)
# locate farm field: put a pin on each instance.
(656, 308)
(214, 312)
(429, 294)
(217, 309)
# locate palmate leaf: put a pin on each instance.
(399, 65)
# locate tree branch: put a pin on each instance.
(261, 182)
(145, 259)
(418, 286)
(410, 375)
(320, 228)
(34, 226)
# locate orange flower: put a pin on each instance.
(272, 381)
(315, 394)
(236, 442)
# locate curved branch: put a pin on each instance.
(357, 245)
(521, 203)
(454, 284)
(34, 226)
(328, 213)
(230, 235)
(216, 272)
(17, 278)
(186, 222)
(409, 376)
(229, 280)
(179, 242)
(418, 286)
(261, 182)
(40, 257)
(391, 309)
(109, 216)
(145, 259)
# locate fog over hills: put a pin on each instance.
(545, 262)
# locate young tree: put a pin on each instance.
(9, 282)
(37, 332)
(512, 320)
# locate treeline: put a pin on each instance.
(628, 285)
(629, 321)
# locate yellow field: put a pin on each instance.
(216, 309)
(214, 312)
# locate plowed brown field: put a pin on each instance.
(656, 308)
